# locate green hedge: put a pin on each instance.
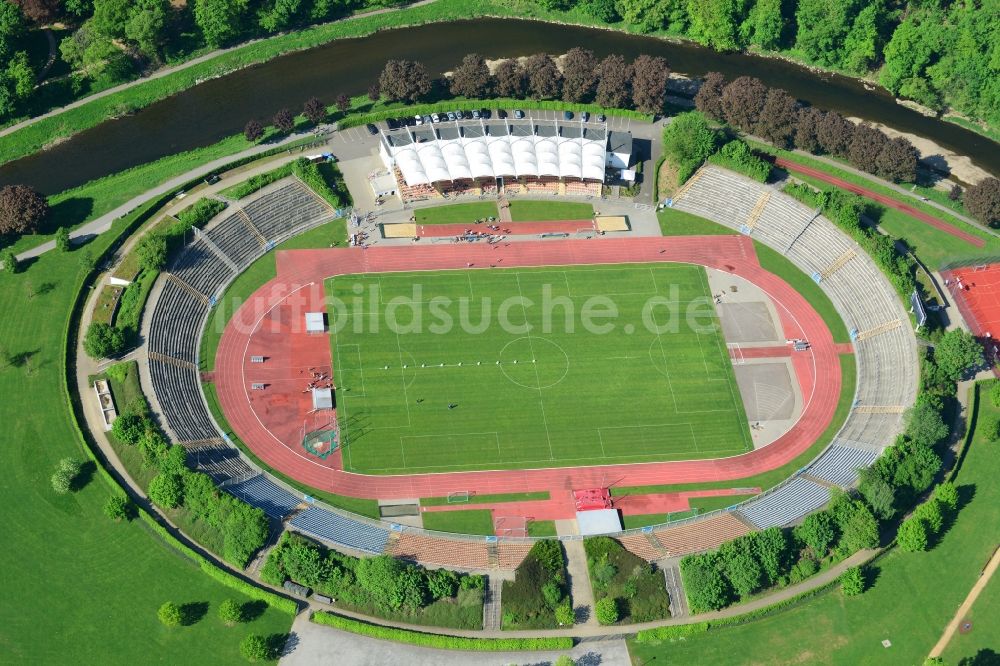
(736, 155)
(257, 182)
(437, 640)
(321, 179)
(672, 632)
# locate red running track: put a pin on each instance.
(733, 254)
(509, 228)
(882, 199)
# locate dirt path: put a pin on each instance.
(882, 199)
(963, 610)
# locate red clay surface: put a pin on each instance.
(506, 228)
(978, 300)
(882, 199)
(298, 284)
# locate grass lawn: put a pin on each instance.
(569, 392)
(542, 528)
(65, 552)
(912, 598)
(775, 476)
(463, 521)
(536, 211)
(463, 213)
(678, 223)
(250, 280)
(488, 498)
(985, 635)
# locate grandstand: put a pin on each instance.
(341, 530)
(261, 492)
(785, 504)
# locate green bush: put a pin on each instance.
(322, 179)
(166, 490)
(117, 507)
(199, 214)
(66, 471)
(438, 641)
(565, 615)
(852, 581)
(103, 341)
(947, 494)
(255, 648)
(606, 610)
(231, 612)
(687, 142)
(170, 614)
(258, 182)
(736, 155)
(671, 633)
(912, 535)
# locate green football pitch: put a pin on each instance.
(494, 369)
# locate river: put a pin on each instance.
(220, 107)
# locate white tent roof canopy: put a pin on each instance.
(468, 157)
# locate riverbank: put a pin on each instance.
(138, 95)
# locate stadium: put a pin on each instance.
(671, 441)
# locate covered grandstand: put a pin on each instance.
(495, 149)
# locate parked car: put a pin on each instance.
(392, 123)
(418, 119)
(212, 178)
(451, 115)
(475, 114)
(601, 118)
(518, 113)
(436, 117)
(501, 114)
(371, 129)
(585, 116)
(486, 113)
(567, 115)
(427, 120)
(459, 115)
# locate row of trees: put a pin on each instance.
(384, 583)
(243, 528)
(940, 54)
(750, 106)
(22, 211)
(577, 77)
(776, 557)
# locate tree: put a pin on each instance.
(958, 352)
(778, 118)
(314, 110)
(770, 547)
(66, 471)
(543, 77)
(982, 200)
(924, 425)
(947, 494)
(912, 535)
(253, 130)
(606, 610)
(117, 507)
(170, 614)
(231, 612)
(17, 82)
(390, 583)
(510, 79)
(284, 120)
(103, 340)
(579, 75)
(343, 103)
(129, 428)
(859, 529)
(279, 16)
(807, 129)
(649, 15)
(852, 581)
(62, 239)
(706, 588)
(930, 512)
(715, 23)
(765, 25)
(39, 12)
(472, 78)
(614, 76)
(602, 10)
(166, 490)
(955, 193)
(897, 161)
(863, 42)
(22, 210)
(404, 81)
(817, 532)
(9, 260)
(835, 133)
(741, 570)
(255, 648)
(878, 493)
(145, 26)
(822, 27)
(649, 83)
(12, 28)
(442, 583)
(565, 615)
(86, 260)
(152, 252)
(564, 660)
(866, 145)
(219, 20)
(742, 102)
(374, 92)
(688, 141)
(244, 531)
(708, 99)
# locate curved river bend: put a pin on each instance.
(220, 107)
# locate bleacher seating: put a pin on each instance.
(220, 461)
(839, 464)
(511, 554)
(641, 546)
(339, 529)
(233, 237)
(175, 322)
(285, 209)
(441, 551)
(791, 501)
(265, 494)
(202, 269)
(699, 535)
(179, 394)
